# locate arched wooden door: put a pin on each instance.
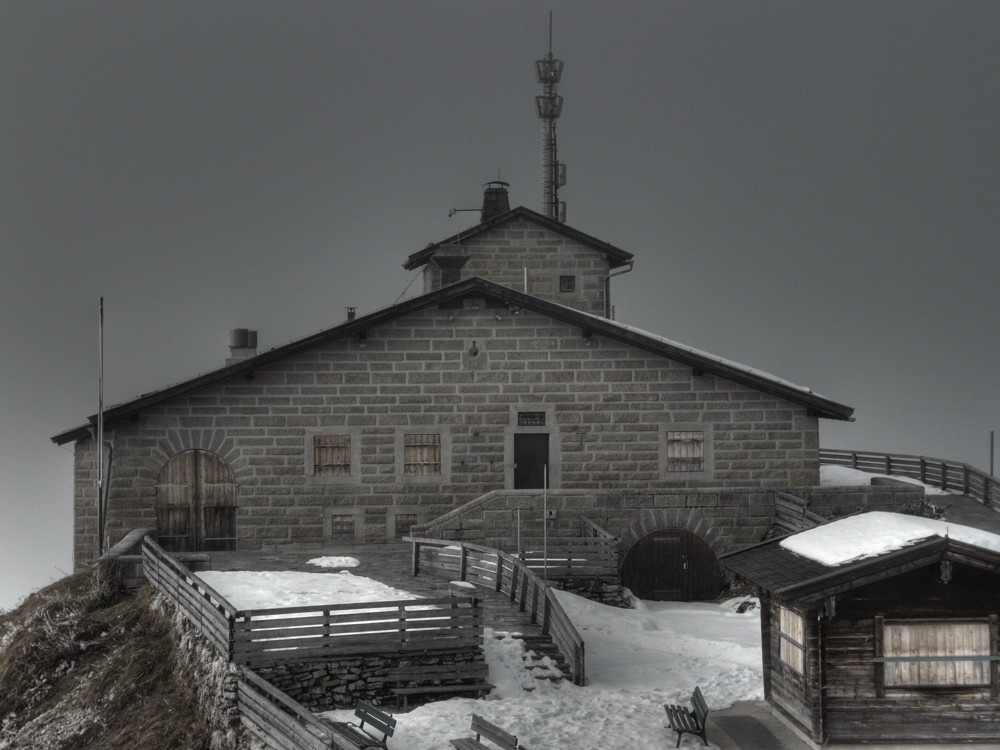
(196, 503)
(672, 565)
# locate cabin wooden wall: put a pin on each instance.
(852, 708)
(795, 695)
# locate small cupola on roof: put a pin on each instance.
(496, 200)
(448, 260)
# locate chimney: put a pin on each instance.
(352, 313)
(496, 200)
(449, 259)
(242, 345)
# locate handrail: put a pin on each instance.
(505, 574)
(595, 529)
(948, 475)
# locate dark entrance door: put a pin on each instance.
(531, 456)
(196, 503)
(672, 565)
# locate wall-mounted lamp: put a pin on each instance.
(498, 316)
(362, 339)
(588, 338)
(473, 350)
(451, 316)
(514, 309)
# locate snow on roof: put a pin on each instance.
(876, 533)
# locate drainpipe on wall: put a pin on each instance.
(607, 288)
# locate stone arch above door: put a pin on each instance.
(671, 554)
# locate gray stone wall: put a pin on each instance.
(503, 253)
(607, 407)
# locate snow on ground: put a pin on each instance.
(335, 562)
(878, 532)
(845, 476)
(273, 589)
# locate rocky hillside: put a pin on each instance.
(85, 668)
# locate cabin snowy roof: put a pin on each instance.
(857, 550)
(480, 288)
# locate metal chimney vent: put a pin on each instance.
(496, 200)
(242, 344)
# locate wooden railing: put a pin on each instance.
(279, 721)
(586, 557)
(206, 609)
(505, 574)
(295, 634)
(287, 635)
(948, 475)
(792, 513)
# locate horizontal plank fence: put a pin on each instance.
(505, 574)
(792, 513)
(586, 557)
(279, 721)
(948, 475)
(210, 613)
(318, 633)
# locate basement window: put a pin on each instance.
(935, 653)
(342, 528)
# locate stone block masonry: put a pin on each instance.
(607, 409)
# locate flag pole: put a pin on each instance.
(100, 433)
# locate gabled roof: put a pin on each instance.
(478, 287)
(797, 579)
(616, 256)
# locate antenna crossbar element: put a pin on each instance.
(549, 105)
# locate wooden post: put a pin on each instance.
(545, 612)
(499, 582)
(402, 626)
(415, 550)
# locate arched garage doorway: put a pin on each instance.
(672, 565)
(196, 503)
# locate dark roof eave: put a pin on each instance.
(616, 255)
(819, 405)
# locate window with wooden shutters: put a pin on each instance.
(421, 454)
(936, 653)
(791, 633)
(332, 455)
(686, 450)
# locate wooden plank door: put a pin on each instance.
(671, 565)
(531, 456)
(196, 503)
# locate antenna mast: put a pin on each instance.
(549, 108)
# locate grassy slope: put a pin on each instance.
(78, 670)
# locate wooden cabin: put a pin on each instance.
(880, 628)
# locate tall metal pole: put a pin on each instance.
(100, 433)
(549, 106)
(991, 453)
(545, 526)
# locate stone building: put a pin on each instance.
(507, 374)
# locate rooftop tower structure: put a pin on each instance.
(549, 105)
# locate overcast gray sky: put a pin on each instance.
(808, 188)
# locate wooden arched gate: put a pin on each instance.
(196, 503)
(672, 565)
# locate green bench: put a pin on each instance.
(690, 720)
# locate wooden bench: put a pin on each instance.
(420, 679)
(690, 720)
(359, 737)
(486, 730)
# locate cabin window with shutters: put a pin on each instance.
(685, 450)
(791, 633)
(421, 454)
(936, 653)
(332, 455)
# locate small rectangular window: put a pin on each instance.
(936, 653)
(342, 528)
(332, 455)
(403, 523)
(686, 450)
(421, 455)
(791, 631)
(531, 419)
(567, 283)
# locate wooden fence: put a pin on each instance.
(586, 557)
(792, 513)
(505, 574)
(948, 475)
(279, 721)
